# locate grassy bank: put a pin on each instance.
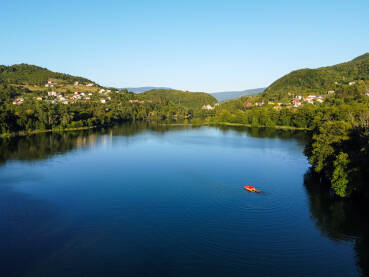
(249, 125)
(27, 133)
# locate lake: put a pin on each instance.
(144, 200)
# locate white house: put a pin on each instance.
(207, 107)
(18, 101)
(52, 93)
(102, 100)
(320, 99)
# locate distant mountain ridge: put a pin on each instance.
(229, 95)
(144, 89)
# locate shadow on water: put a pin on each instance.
(26, 227)
(339, 219)
(267, 132)
(45, 145)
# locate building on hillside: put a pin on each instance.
(90, 85)
(296, 103)
(320, 99)
(308, 99)
(101, 90)
(76, 83)
(351, 83)
(330, 92)
(136, 101)
(102, 100)
(52, 93)
(207, 107)
(278, 107)
(49, 84)
(18, 101)
(248, 104)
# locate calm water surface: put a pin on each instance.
(157, 201)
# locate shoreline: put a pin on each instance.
(249, 125)
(27, 133)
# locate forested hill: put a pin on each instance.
(320, 80)
(34, 98)
(25, 74)
(190, 100)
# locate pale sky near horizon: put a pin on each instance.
(190, 45)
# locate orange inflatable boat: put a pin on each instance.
(251, 189)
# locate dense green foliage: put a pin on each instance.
(320, 80)
(339, 151)
(306, 116)
(189, 100)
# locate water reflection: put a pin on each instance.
(339, 219)
(45, 145)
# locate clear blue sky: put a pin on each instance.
(192, 45)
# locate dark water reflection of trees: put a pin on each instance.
(340, 219)
(44, 145)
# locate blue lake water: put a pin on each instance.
(169, 201)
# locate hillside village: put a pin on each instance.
(61, 93)
(293, 101)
